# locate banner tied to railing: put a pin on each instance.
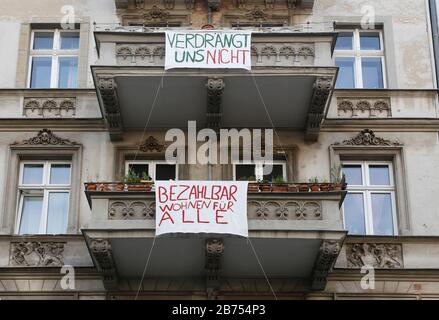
(208, 49)
(201, 207)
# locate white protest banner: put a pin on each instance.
(201, 207)
(208, 49)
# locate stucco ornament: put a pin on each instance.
(37, 254)
(383, 256)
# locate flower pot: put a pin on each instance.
(324, 187)
(265, 187)
(139, 186)
(315, 188)
(303, 188)
(253, 187)
(91, 186)
(293, 187)
(110, 187)
(279, 188)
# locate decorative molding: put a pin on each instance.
(257, 14)
(368, 138)
(214, 250)
(155, 14)
(140, 54)
(108, 91)
(151, 144)
(323, 87)
(215, 87)
(376, 255)
(213, 4)
(269, 4)
(131, 210)
(169, 4)
(190, 4)
(364, 107)
(36, 254)
(297, 54)
(45, 137)
(102, 254)
(328, 254)
(284, 210)
(49, 107)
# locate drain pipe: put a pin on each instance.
(435, 33)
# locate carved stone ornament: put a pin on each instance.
(382, 256)
(329, 251)
(284, 210)
(257, 14)
(368, 138)
(215, 87)
(131, 210)
(151, 144)
(190, 4)
(102, 253)
(36, 254)
(46, 137)
(214, 251)
(156, 14)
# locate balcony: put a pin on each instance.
(292, 78)
(297, 232)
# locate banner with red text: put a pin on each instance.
(201, 207)
(208, 49)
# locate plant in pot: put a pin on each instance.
(314, 184)
(279, 184)
(135, 182)
(91, 186)
(292, 187)
(337, 178)
(264, 186)
(303, 187)
(252, 183)
(325, 186)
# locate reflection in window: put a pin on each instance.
(346, 73)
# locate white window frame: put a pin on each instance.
(359, 54)
(152, 166)
(55, 53)
(259, 173)
(38, 190)
(367, 190)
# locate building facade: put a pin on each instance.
(348, 86)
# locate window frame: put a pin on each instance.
(151, 166)
(258, 168)
(44, 189)
(367, 190)
(55, 53)
(359, 54)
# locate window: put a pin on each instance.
(253, 171)
(54, 59)
(44, 192)
(359, 54)
(156, 170)
(369, 207)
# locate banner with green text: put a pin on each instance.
(208, 49)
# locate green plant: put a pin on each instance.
(336, 173)
(278, 180)
(314, 180)
(131, 176)
(145, 176)
(251, 178)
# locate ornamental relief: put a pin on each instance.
(284, 210)
(376, 255)
(274, 54)
(131, 210)
(49, 107)
(364, 107)
(140, 54)
(36, 254)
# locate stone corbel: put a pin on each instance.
(110, 103)
(215, 87)
(328, 254)
(213, 4)
(102, 256)
(214, 251)
(323, 87)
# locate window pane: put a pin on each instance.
(382, 213)
(354, 175)
(346, 73)
(33, 174)
(372, 73)
(58, 209)
(245, 172)
(379, 175)
(354, 214)
(31, 215)
(275, 173)
(140, 169)
(344, 41)
(69, 40)
(60, 174)
(165, 172)
(41, 72)
(68, 70)
(43, 40)
(370, 41)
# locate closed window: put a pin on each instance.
(155, 170)
(254, 171)
(54, 59)
(44, 195)
(359, 54)
(369, 207)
